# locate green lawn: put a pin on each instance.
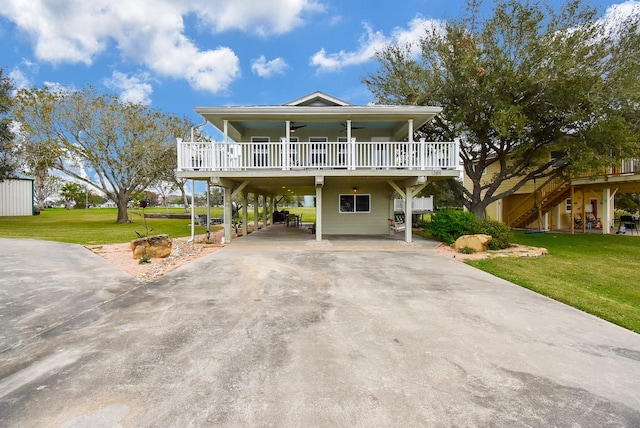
(93, 226)
(98, 225)
(595, 273)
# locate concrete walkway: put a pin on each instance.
(344, 332)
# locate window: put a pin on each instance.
(567, 205)
(355, 203)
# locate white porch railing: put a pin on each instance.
(627, 166)
(213, 156)
(422, 204)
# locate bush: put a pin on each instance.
(501, 233)
(449, 224)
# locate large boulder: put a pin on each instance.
(476, 242)
(158, 246)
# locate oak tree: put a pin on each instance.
(530, 91)
(9, 161)
(118, 148)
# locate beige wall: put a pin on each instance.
(336, 223)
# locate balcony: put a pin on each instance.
(283, 155)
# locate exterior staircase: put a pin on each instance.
(540, 202)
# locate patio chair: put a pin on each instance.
(397, 223)
(577, 221)
(627, 222)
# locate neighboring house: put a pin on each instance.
(352, 159)
(556, 203)
(16, 197)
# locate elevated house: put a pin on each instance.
(557, 203)
(352, 159)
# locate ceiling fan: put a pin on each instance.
(293, 127)
(353, 128)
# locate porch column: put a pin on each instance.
(225, 130)
(408, 215)
(193, 209)
(573, 203)
(319, 184)
(392, 210)
(273, 207)
(208, 208)
(256, 215)
(286, 158)
(410, 136)
(245, 212)
(228, 214)
(606, 211)
(265, 215)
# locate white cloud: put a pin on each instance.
(264, 68)
(617, 13)
(151, 32)
(19, 79)
(256, 16)
(134, 89)
(371, 42)
(20, 74)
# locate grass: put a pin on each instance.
(91, 226)
(97, 226)
(594, 273)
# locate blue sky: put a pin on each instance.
(176, 55)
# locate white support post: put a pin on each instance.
(245, 213)
(256, 215)
(208, 208)
(408, 215)
(273, 207)
(287, 143)
(392, 210)
(606, 211)
(228, 214)
(193, 210)
(318, 212)
(264, 211)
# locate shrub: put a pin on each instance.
(449, 224)
(467, 250)
(501, 233)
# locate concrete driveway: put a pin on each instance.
(289, 334)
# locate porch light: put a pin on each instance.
(355, 189)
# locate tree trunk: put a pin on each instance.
(121, 203)
(185, 199)
(479, 208)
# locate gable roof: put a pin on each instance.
(318, 99)
(315, 109)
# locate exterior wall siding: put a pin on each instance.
(372, 223)
(16, 198)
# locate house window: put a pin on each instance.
(567, 205)
(355, 203)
